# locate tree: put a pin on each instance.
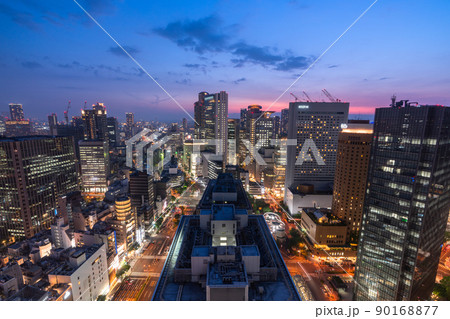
(442, 289)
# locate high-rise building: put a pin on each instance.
(276, 126)
(350, 178)
(94, 163)
(53, 124)
(34, 172)
(18, 128)
(130, 125)
(212, 118)
(126, 218)
(279, 168)
(260, 126)
(142, 192)
(16, 112)
(199, 115)
(113, 135)
(315, 126)
(284, 121)
(233, 141)
(2, 126)
(95, 123)
(406, 205)
(185, 124)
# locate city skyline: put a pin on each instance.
(191, 48)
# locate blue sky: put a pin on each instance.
(51, 52)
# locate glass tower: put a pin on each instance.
(406, 205)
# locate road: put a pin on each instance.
(444, 263)
(148, 265)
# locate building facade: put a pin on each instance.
(34, 172)
(315, 127)
(350, 178)
(406, 205)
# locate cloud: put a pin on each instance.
(199, 35)
(294, 63)
(383, 78)
(239, 80)
(208, 35)
(31, 65)
(119, 52)
(333, 66)
(184, 81)
(196, 67)
(21, 18)
(115, 73)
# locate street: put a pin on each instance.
(146, 266)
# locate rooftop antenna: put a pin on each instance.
(84, 107)
(393, 98)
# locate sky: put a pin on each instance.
(51, 52)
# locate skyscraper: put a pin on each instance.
(16, 112)
(260, 126)
(130, 125)
(211, 112)
(34, 172)
(350, 178)
(142, 192)
(243, 118)
(94, 163)
(406, 205)
(199, 114)
(53, 124)
(233, 141)
(315, 126)
(95, 123)
(284, 121)
(113, 135)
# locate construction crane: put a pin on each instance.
(329, 96)
(308, 99)
(296, 98)
(66, 113)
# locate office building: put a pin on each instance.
(233, 141)
(113, 133)
(323, 228)
(94, 163)
(95, 123)
(407, 203)
(224, 254)
(130, 125)
(18, 128)
(284, 121)
(350, 177)
(16, 112)
(34, 172)
(211, 111)
(124, 224)
(259, 126)
(53, 124)
(142, 193)
(315, 126)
